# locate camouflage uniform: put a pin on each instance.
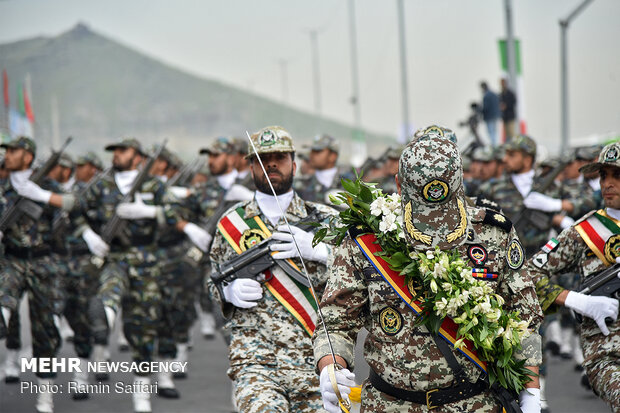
(270, 353)
(131, 272)
(572, 254)
(356, 295)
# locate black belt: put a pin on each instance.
(27, 253)
(431, 398)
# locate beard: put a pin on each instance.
(119, 166)
(280, 187)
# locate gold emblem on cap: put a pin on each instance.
(433, 129)
(412, 230)
(461, 227)
(436, 191)
(612, 248)
(267, 138)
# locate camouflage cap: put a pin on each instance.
(483, 154)
(551, 162)
(240, 145)
(609, 156)
(22, 142)
(394, 151)
(324, 141)
(65, 160)
(175, 161)
(436, 131)
(498, 153)
(126, 143)
(221, 144)
(521, 143)
(271, 139)
(165, 154)
(588, 153)
(91, 158)
(432, 195)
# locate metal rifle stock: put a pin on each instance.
(26, 206)
(113, 228)
(541, 220)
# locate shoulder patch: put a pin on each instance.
(496, 219)
(487, 203)
(586, 216)
(515, 256)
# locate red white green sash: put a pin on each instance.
(243, 234)
(600, 233)
(369, 246)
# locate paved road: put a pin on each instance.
(207, 389)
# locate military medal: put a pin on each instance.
(477, 254)
(515, 256)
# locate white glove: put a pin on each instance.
(536, 200)
(136, 209)
(179, 192)
(33, 191)
(1, 235)
(198, 236)
(304, 240)
(238, 193)
(345, 380)
(567, 222)
(529, 400)
(593, 306)
(96, 245)
(243, 292)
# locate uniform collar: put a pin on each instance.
(297, 208)
(326, 176)
(227, 180)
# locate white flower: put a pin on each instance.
(499, 332)
(453, 307)
(429, 254)
(441, 305)
(434, 286)
(477, 291)
(439, 271)
(500, 299)
(447, 287)
(376, 207)
(485, 307)
(445, 262)
(494, 315)
(388, 223)
(459, 343)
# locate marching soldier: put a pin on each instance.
(28, 265)
(242, 165)
(271, 323)
(413, 370)
(587, 247)
(390, 169)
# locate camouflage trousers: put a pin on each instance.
(602, 364)
(179, 286)
(375, 401)
(81, 285)
(267, 389)
(38, 278)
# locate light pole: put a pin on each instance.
(564, 71)
(403, 67)
(360, 152)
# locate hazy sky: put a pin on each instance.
(451, 46)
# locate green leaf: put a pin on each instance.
(351, 187)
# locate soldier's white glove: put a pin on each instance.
(304, 241)
(238, 193)
(529, 400)
(243, 292)
(198, 236)
(536, 200)
(180, 191)
(593, 306)
(345, 380)
(33, 191)
(566, 222)
(1, 235)
(95, 243)
(136, 209)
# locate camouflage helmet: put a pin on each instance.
(521, 143)
(609, 156)
(126, 143)
(432, 195)
(271, 139)
(483, 154)
(220, 145)
(324, 141)
(65, 161)
(91, 158)
(436, 131)
(22, 142)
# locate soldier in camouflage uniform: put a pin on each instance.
(390, 169)
(271, 353)
(406, 363)
(573, 250)
(28, 265)
(326, 177)
(242, 165)
(131, 271)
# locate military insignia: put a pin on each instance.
(412, 290)
(477, 254)
(461, 227)
(612, 154)
(550, 245)
(515, 256)
(267, 138)
(435, 191)
(499, 218)
(250, 238)
(496, 219)
(541, 259)
(470, 235)
(612, 248)
(391, 321)
(433, 129)
(412, 230)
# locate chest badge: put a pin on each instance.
(250, 238)
(612, 248)
(391, 321)
(477, 254)
(515, 256)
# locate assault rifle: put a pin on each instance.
(26, 206)
(539, 219)
(186, 173)
(257, 259)
(605, 282)
(115, 225)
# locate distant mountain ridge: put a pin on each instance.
(105, 90)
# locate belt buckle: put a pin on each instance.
(428, 399)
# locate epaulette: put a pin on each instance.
(496, 219)
(487, 203)
(586, 216)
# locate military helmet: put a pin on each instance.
(609, 156)
(23, 142)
